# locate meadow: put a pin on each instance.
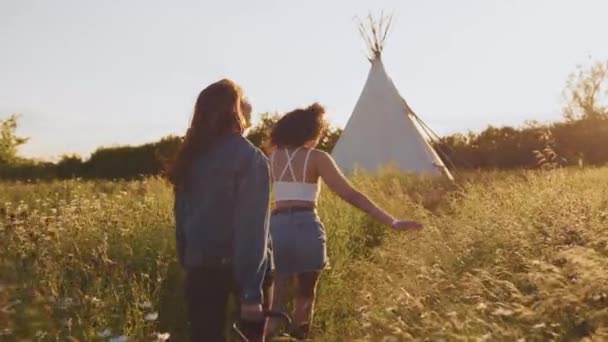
(504, 256)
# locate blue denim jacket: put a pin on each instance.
(222, 214)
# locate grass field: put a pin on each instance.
(503, 257)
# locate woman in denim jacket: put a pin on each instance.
(221, 185)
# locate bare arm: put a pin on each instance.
(337, 182)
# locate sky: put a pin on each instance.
(86, 73)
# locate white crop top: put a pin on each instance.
(294, 190)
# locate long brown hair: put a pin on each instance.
(220, 110)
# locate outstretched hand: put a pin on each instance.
(406, 225)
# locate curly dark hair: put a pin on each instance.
(299, 126)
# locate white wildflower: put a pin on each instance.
(66, 302)
(481, 306)
(486, 337)
(163, 337)
(502, 312)
(104, 333)
(152, 316)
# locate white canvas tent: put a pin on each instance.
(382, 129)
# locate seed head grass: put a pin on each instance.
(504, 256)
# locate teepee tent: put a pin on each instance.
(382, 129)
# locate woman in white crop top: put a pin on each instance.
(298, 236)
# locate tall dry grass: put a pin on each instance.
(508, 257)
(504, 256)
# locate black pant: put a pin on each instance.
(207, 293)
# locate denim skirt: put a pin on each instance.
(298, 242)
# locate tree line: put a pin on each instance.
(580, 139)
(123, 162)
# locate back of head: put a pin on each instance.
(220, 110)
(299, 127)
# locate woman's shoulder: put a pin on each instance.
(246, 155)
(319, 153)
(320, 158)
(246, 147)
